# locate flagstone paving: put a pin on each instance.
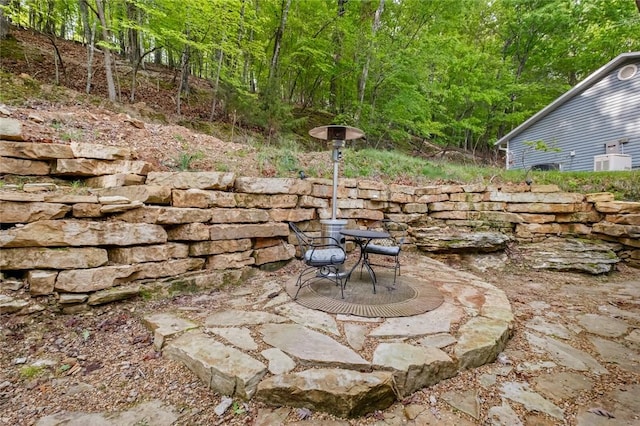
(364, 363)
(268, 348)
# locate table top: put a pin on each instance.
(364, 233)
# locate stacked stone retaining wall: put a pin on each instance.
(117, 224)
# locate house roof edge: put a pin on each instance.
(574, 91)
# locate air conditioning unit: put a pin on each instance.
(611, 162)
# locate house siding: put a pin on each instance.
(605, 112)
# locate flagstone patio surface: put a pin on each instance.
(269, 347)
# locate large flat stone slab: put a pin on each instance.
(622, 402)
(563, 385)
(225, 369)
(603, 325)
(52, 258)
(153, 412)
(165, 325)
(550, 329)
(309, 317)
(235, 317)
(343, 393)
(466, 401)
(413, 367)
(520, 392)
(279, 362)
(615, 353)
(432, 322)
(239, 337)
(311, 347)
(566, 355)
(480, 341)
(68, 232)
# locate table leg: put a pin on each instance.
(362, 261)
(365, 263)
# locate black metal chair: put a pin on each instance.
(323, 257)
(390, 248)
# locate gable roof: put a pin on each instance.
(576, 90)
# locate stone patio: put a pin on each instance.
(267, 346)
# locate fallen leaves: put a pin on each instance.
(92, 366)
(152, 355)
(602, 412)
(75, 368)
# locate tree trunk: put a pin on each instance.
(337, 55)
(365, 68)
(107, 53)
(4, 21)
(136, 67)
(183, 87)
(57, 58)
(216, 84)
(133, 39)
(273, 68)
(88, 39)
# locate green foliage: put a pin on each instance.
(625, 185)
(72, 135)
(398, 167)
(454, 73)
(280, 159)
(393, 166)
(29, 372)
(541, 146)
(186, 157)
(238, 408)
(17, 90)
(183, 287)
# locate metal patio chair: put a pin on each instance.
(323, 258)
(390, 248)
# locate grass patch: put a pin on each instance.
(396, 167)
(280, 159)
(29, 372)
(624, 185)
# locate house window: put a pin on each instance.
(627, 72)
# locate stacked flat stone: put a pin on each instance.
(128, 225)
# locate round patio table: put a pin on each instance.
(362, 237)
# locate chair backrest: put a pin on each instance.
(394, 229)
(304, 241)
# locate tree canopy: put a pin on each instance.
(455, 73)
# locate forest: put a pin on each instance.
(455, 73)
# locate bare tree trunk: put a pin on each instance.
(57, 58)
(337, 55)
(133, 39)
(273, 68)
(4, 21)
(216, 85)
(183, 87)
(89, 40)
(365, 69)
(107, 52)
(248, 76)
(136, 67)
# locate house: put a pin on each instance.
(593, 126)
